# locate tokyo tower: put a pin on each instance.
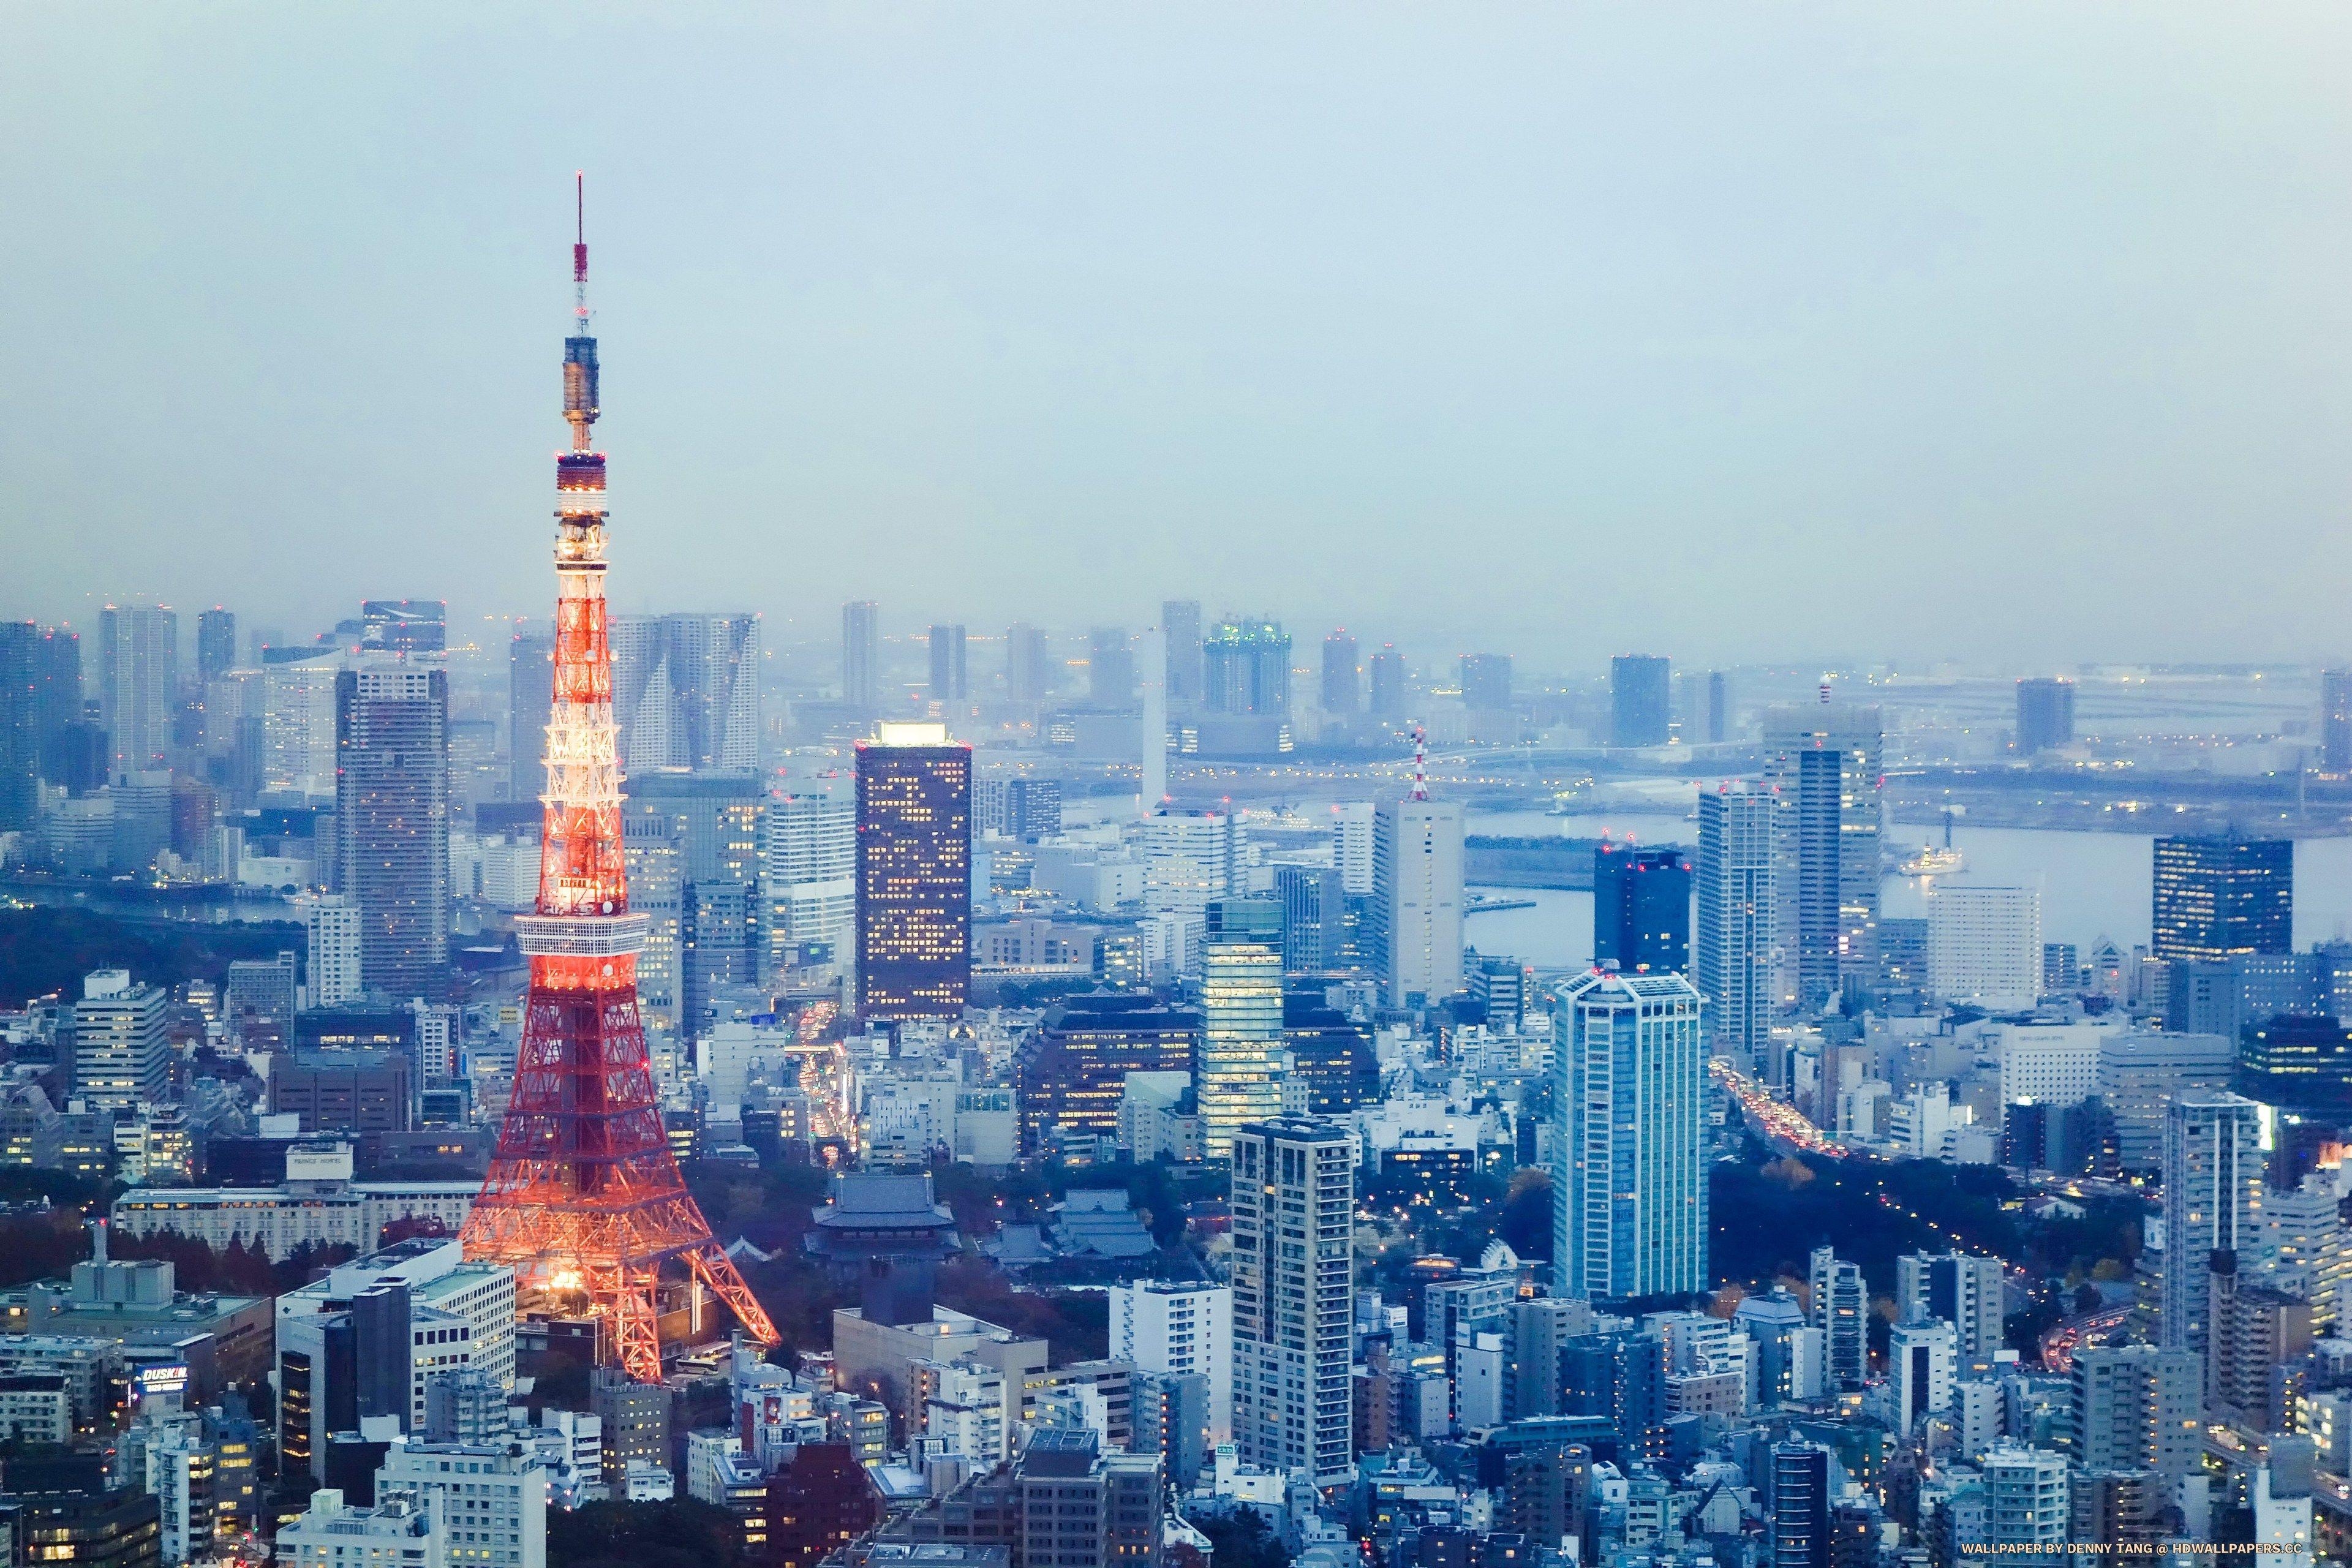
(583, 1197)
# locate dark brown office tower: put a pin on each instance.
(2216, 898)
(343, 1090)
(1073, 1071)
(818, 1504)
(914, 873)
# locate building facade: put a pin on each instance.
(1237, 1069)
(2215, 898)
(1738, 921)
(1293, 1200)
(914, 873)
(1824, 767)
(1416, 910)
(391, 822)
(1629, 1184)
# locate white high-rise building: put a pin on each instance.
(1984, 946)
(1958, 1288)
(2213, 1197)
(138, 684)
(2136, 1407)
(1733, 953)
(1416, 935)
(811, 880)
(297, 724)
(2025, 1497)
(122, 1060)
(1188, 860)
(1629, 1205)
(1294, 1296)
(330, 924)
(1920, 1360)
(400, 1531)
(492, 1496)
(1823, 764)
(1180, 1327)
(1352, 847)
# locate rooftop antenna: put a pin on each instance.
(580, 245)
(1419, 763)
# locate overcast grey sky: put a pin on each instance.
(2003, 332)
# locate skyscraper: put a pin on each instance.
(2212, 1192)
(1641, 700)
(404, 626)
(950, 675)
(1416, 912)
(2045, 714)
(653, 849)
(1387, 674)
(914, 873)
(1841, 1310)
(20, 726)
(1718, 728)
(1823, 763)
(2335, 721)
(1238, 1069)
(1736, 917)
(1313, 917)
(391, 821)
(1342, 683)
(1629, 1210)
(1485, 681)
(1180, 623)
(811, 875)
(686, 691)
(138, 683)
(215, 644)
(1640, 908)
(1984, 945)
(1246, 667)
(57, 698)
(1028, 665)
(1110, 669)
(1293, 1200)
(2215, 898)
(720, 820)
(861, 656)
(530, 701)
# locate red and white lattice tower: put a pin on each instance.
(583, 1197)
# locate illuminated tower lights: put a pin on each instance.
(584, 1195)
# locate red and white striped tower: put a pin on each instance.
(583, 1197)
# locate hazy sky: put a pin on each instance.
(2004, 332)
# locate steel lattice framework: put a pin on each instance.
(583, 1193)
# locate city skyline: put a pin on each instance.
(1783, 344)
